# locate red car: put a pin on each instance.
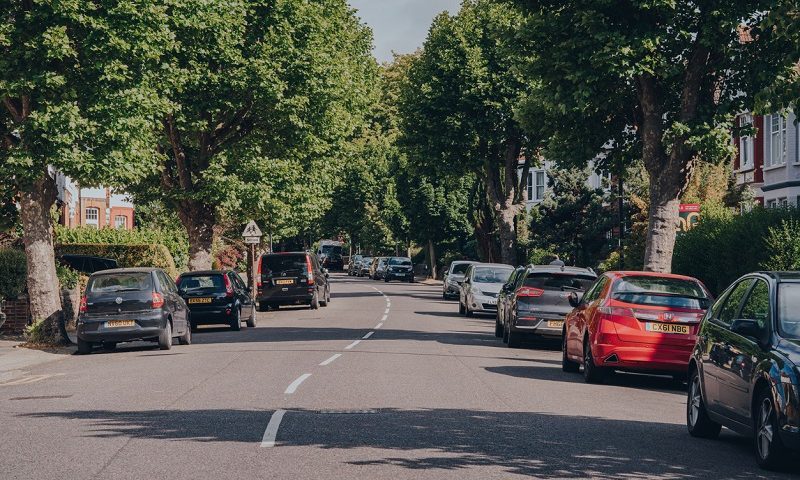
(634, 321)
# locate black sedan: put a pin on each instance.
(127, 304)
(743, 373)
(217, 297)
(399, 268)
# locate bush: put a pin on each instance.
(174, 240)
(13, 273)
(725, 246)
(126, 255)
(67, 277)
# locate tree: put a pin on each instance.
(253, 88)
(76, 85)
(663, 78)
(457, 109)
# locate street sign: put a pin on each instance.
(252, 230)
(252, 240)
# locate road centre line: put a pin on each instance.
(293, 386)
(367, 335)
(378, 326)
(352, 345)
(268, 440)
(330, 360)
(383, 318)
(386, 311)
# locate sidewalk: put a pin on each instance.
(15, 360)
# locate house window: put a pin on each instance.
(92, 215)
(537, 182)
(745, 143)
(120, 221)
(777, 140)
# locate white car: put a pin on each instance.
(482, 282)
(453, 278)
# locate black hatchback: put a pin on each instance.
(217, 297)
(744, 372)
(127, 304)
(293, 278)
(399, 268)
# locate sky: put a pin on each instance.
(400, 25)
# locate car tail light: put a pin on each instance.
(310, 270)
(84, 305)
(158, 300)
(529, 292)
(258, 273)
(228, 286)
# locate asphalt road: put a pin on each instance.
(425, 393)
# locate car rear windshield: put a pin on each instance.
(406, 262)
(283, 264)
(559, 281)
(120, 282)
(789, 309)
(663, 292)
(460, 268)
(491, 274)
(205, 283)
(331, 249)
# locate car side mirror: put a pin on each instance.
(574, 300)
(747, 328)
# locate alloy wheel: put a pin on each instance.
(695, 400)
(765, 433)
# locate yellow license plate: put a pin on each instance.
(667, 328)
(200, 300)
(555, 323)
(284, 282)
(120, 323)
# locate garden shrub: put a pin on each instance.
(783, 246)
(144, 255)
(13, 273)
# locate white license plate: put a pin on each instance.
(555, 323)
(491, 302)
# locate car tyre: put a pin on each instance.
(236, 321)
(461, 309)
(109, 346)
(165, 337)
(567, 365)
(314, 305)
(386, 280)
(251, 322)
(468, 312)
(771, 453)
(512, 340)
(697, 420)
(591, 372)
(325, 299)
(84, 347)
(186, 338)
(498, 328)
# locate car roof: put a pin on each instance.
(205, 272)
(503, 265)
(634, 273)
(458, 262)
(559, 268)
(275, 254)
(127, 270)
(782, 276)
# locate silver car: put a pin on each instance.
(453, 277)
(482, 282)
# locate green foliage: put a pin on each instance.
(725, 246)
(174, 240)
(67, 277)
(783, 246)
(13, 273)
(127, 255)
(540, 256)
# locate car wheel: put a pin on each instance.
(461, 309)
(84, 347)
(567, 365)
(591, 372)
(314, 305)
(513, 340)
(186, 338)
(109, 346)
(505, 333)
(697, 419)
(770, 451)
(324, 301)
(236, 321)
(444, 296)
(498, 328)
(468, 312)
(251, 322)
(165, 337)
(386, 280)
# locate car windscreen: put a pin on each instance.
(559, 281)
(789, 309)
(331, 249)
(406, 262)
(366, 260)
(460, 268)
(282, 264)
(662, 292)
(491, 274)
(201, 283)
(120, 282)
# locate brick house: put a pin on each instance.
(94, 207)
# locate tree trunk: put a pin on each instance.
(198, 219)
(503, 191)
(36, 200)
(662, 230)
(432, 258)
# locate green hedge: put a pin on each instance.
(125, 255)
(725, 245)
(13, 273)
(174, 240)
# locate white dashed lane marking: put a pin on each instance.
(268, 440)
(293, 386)
(349, 347)
(367, 335)
(378, 326)
(330, 360)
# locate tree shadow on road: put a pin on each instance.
(524, 443)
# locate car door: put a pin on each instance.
(320, 279)
(464, 287)
(745, 353)
(504, 297)
(719, 355)
(242, 293)
(579, 318)
(174, 302)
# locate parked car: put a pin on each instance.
(635, 321)
(502, 299)
(538, 301)
(453, 277)
(329, 254)
(378, 268)
(127, 304)
(87, 264)
(399, 268)
(744, 372)
(482, 283)
(217, 297)
(364, 266)
(353, 264)
(292, 278)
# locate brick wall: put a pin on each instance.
(17, 315)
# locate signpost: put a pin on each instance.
(252, 236)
